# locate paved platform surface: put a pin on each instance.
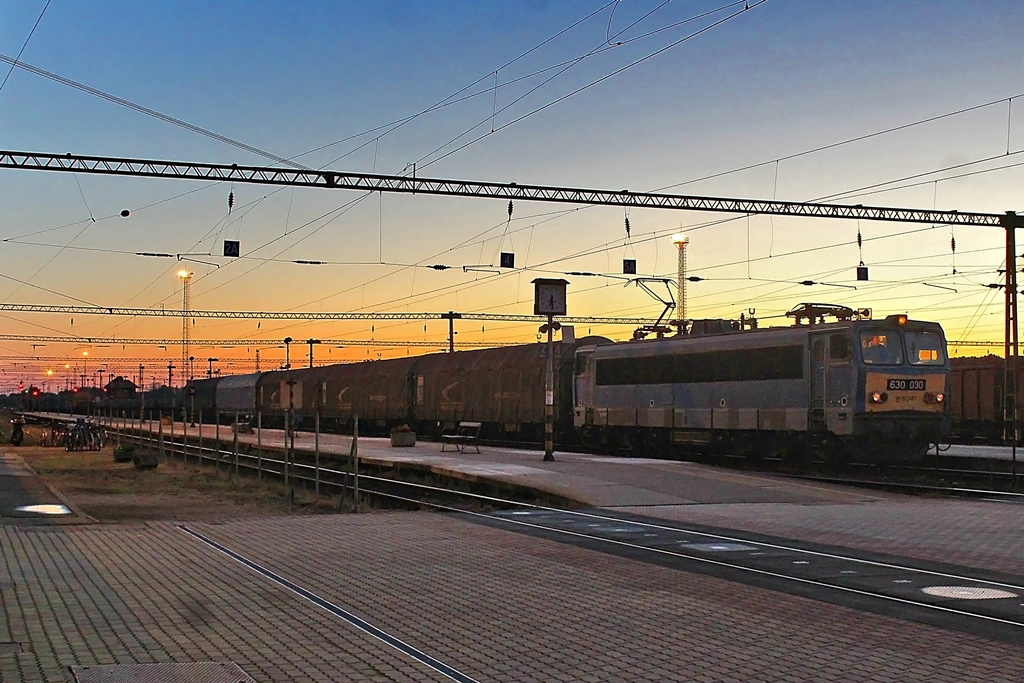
(24, 497)
(491, 604)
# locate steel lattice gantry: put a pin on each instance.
(465, 188)
(311, 315)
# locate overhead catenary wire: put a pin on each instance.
(25, 44)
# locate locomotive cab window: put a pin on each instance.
(925, 348)
(581, 364)
(818, 350)
(879, 347)
(839, 347)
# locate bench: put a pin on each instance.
(468, 434)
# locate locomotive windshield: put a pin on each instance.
(925, 348)
(885, 347)
(881, 347)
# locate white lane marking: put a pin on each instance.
(967, 593)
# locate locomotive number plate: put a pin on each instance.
(905, 385)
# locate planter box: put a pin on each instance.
(145, 461)
(400, 439)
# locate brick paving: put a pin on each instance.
(970, 533)
(495, 605)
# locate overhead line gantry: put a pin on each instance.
(311, 315)
(370, 182)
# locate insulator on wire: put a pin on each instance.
(860, 241)
(952, 244)
(627, 226)
(231, 201)
(510, 209)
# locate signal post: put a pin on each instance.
(549, 299)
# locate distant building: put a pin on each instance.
(120, 388)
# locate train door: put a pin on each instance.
(839, 384)
(583, 387)
(413, 396)
(818, 370)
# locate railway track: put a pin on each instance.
(960, 598)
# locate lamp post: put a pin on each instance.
(289, 415)
(186, 279)
(209, 372)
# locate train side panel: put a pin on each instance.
(727, 382)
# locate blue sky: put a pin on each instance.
(779, 79)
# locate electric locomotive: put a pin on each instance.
(876, 388)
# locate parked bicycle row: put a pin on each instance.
(80, 436)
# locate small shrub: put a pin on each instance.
(125, 453)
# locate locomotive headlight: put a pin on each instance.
(934, 398)
(879, 397)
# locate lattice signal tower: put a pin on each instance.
(186, 281)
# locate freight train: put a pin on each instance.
(877, 387)
(976, 398)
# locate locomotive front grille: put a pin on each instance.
(887, 392)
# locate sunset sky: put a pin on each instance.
(688, 97)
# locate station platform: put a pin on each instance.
(395, 596)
